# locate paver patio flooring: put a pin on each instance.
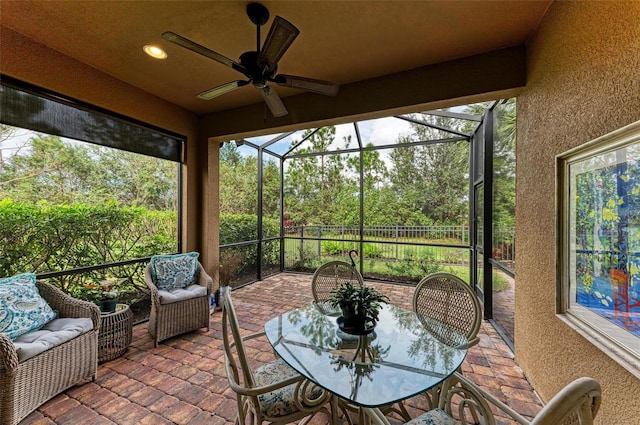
(183, 380)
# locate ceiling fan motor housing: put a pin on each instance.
(258, 73)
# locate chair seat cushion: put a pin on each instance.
(54, 333)
(281, 401)
(433, 417)
(22, 309)
(181, 294)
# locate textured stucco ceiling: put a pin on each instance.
(345, 42)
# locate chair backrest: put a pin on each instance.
(575, 404)
(234, 349)
(330, 276)
(148, 272)
(448, 299)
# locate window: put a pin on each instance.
(599, 224)
(81, 187)
(85, 194)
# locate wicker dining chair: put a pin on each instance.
(330, 276)
(443, 298)
(575, 404)
(273, 392)
(168, 319)
(449, 309)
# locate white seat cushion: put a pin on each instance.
(280, 402)
(181, 294)
(56, 332)
(433, 417)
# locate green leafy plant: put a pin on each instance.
(332, 247)
(357, 301)
(107, 289)
(372, 250)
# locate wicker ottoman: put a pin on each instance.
(115, 333)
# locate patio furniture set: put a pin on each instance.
(50, 341)
(320, 366)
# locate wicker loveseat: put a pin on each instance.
(28, 377)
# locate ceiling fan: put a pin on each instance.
(260, 66)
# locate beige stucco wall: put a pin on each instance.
(583, 81)
(34, 63)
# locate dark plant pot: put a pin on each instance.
(351, 320)
(108, 305)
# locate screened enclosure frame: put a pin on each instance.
(480, 140)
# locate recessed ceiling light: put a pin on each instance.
(155, 51)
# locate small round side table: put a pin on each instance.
(116, 332)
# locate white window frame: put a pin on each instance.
(618, 343)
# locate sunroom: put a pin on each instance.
(572, 68)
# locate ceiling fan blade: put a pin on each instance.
(195, 47)
(273, 102)
(222, 89)
(309, 84)
(281, 34)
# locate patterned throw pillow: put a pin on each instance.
(174, 271)
(22, 309)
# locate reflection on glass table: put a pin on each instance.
(401, 358)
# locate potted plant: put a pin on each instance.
(106, 293)
(358, 304)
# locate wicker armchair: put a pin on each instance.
(273, 392)
(25, 385)
(575, 404)
(168, 319)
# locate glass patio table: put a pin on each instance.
(403, 356)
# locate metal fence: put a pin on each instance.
(503, 237)
(391, 251)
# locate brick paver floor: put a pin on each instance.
(183, 380)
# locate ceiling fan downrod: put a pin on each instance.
(259, 15)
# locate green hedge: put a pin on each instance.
(41, 238)
(244, 227)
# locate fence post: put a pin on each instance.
(319, 241)
(301, 242)
(397, 230)
(463, 234)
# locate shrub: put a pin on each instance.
(332, 247)
(41, 238)
(244, 227)
(372, 250)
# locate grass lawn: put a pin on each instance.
(387, 260)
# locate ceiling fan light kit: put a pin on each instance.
(259, 66)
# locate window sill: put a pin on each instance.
(619, 345)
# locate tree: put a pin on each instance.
(432, 178)
(239, 183)
(67, 172)
(6, 133)
(314, 183)
(504, 161)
